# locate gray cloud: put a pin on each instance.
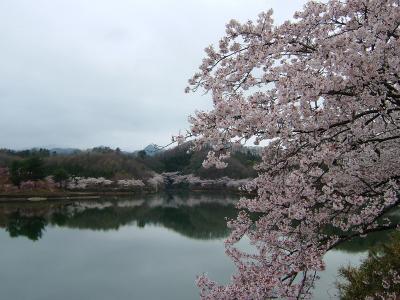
(98, 72)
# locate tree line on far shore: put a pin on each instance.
(33, 165)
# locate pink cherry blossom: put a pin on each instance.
(323, 91)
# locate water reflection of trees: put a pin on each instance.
(31, 227)
(359, 244)
(199, 217)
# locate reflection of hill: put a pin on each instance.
(373, 239)
(363, 244)
(202, 221)
(31, 227)
(201, 217)
(205, 221)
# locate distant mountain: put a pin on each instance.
(65, 151)
(152, 149)
(254, 150)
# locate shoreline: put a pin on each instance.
(49, 196)
(91, 195)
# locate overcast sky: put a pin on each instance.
(84, 73)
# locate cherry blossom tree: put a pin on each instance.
(322, 92)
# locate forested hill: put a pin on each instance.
(115, 164)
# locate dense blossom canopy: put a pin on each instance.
(323, 91)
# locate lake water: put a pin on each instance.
(150, 247)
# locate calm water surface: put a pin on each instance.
(146, 248)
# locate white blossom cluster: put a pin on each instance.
(157, 182)
(193, 181)
(130, 183)
(91, 182)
